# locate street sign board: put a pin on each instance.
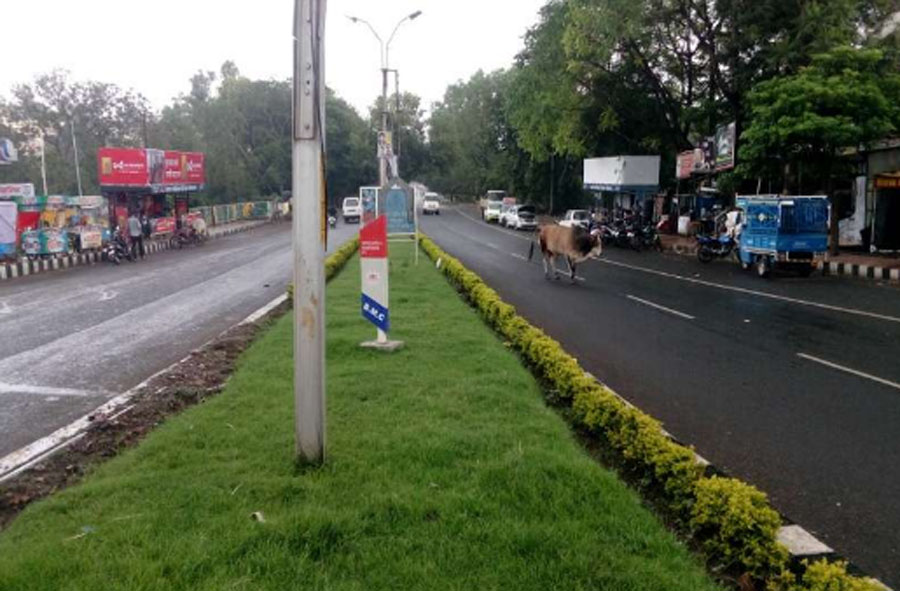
(399, 208)
(373, 252)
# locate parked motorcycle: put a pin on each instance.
(712, 247)
(117, 249)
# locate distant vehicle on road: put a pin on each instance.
(576, 217)
(431, 204)
(522, 217)
(351, 210)
(505, 210)
(780, 230)
(491, 211)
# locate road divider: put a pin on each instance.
(730, 520)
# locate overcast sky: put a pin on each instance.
(154, 47)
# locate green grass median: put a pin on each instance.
(445, 471)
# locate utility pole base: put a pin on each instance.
(386, 346)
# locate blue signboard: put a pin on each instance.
(376, 313)
(398, 207)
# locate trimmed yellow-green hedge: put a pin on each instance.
(731, 520)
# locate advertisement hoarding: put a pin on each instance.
(725, 145)
(8, 154)
(399, 208)
(684, 165)
(123, 167)
(159, 170)
(17, 190)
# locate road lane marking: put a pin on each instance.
(660, 307)
(4, 308)
(849, 370)
(753, 292)
(515, 255)
(105, 296)
(745, 291)
(44, 390)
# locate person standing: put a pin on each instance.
(136, 233)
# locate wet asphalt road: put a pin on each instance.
(735, 366)
(71, 340)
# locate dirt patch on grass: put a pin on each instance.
(191, 381)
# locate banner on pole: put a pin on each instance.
(373, 252)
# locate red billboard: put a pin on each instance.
(195, 168)
(176, 167)
(123, 167)
(161, 171)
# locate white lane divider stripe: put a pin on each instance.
(659, 307)
(849, 370)
(753, 292)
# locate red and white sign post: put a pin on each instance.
(373, 252)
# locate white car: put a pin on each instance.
(431, 204)
(351, 210)
(576, 218)
(522, 217)
(491, 212)
(505, 211)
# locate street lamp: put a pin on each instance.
(385, 54)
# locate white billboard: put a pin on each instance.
(621, 172)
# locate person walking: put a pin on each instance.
(136, 234)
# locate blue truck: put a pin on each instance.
(782, 230)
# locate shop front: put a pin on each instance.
(156, 184)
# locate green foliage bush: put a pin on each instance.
(734, 522)
(731, 520)
(822, 575)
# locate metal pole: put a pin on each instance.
(308, 230)
(43, 164)
(384, 125)
(75, 147)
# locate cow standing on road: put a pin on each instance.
(575, 244)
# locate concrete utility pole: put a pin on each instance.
(309, 229)
(383, 155)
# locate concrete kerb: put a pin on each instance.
(25, 267)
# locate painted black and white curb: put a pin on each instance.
(863, 271)
(26, 267)
(827, 268)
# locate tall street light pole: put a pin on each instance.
(385, 54)
(309, 229)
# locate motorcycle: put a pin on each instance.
(117, 249)
(332, 221)
(712, 247)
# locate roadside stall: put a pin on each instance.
(155, 183)
(11, 222)
(88, 223)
